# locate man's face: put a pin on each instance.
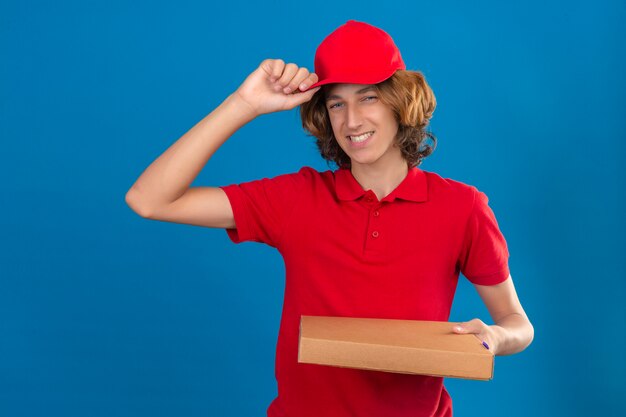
(364, 127)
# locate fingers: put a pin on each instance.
(478, 328)
(277, 85)
(299, 81)
(274, 68)
(288, 77)
(285, 81)
(308, 81)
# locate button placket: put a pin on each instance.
(373, 235)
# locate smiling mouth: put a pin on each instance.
(362, 137)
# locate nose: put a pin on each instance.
(353, 117)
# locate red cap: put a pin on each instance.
(356, 53)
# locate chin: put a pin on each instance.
(364, 161)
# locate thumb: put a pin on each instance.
(460, 328)
(467, 327)
(296, 99)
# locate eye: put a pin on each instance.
(332, 106)
(370, 98)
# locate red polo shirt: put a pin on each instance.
(348, 254)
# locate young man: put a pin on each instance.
(378, 237)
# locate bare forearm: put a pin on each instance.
(274, 86)
(514, 333)
(171, 174)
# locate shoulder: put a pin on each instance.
(305, 176)
(449, 190)
(312, 172)
(462, 197)
(314, 177)
(304, 179)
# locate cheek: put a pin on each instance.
(391, 123)
(334, 121)
(394, 130)
(334, 124)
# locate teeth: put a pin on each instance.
(361, 138)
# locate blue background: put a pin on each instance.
(103, 313)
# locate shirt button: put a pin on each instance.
(376, 213)
(375, 233)
(368, 199)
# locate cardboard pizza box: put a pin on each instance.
(402, 346)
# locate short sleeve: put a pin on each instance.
(262, 208)
(484, 256)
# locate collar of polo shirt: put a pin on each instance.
(412, 188)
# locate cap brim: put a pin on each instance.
(355, 79)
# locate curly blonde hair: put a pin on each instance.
(412, 102)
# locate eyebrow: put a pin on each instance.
(361, 91)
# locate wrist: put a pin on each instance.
(500, 335)
(242, 107)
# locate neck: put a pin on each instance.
(381, 180)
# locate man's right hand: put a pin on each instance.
(276, 86)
